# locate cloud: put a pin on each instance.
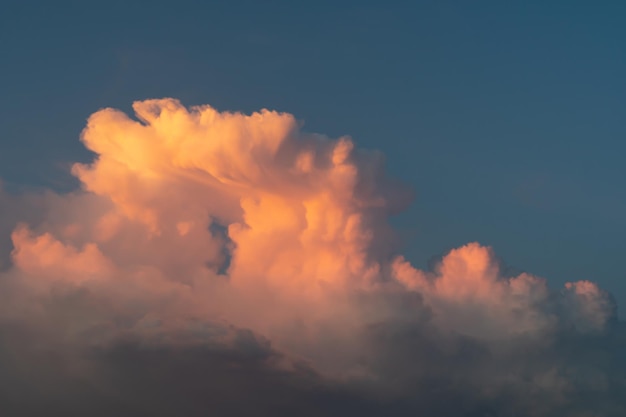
(234, 264)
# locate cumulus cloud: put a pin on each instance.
(223, 263)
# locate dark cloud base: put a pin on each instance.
(420, 372)
(132, 380)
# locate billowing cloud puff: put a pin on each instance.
(243, 259)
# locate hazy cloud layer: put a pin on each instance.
(228, 264)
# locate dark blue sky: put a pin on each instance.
(506, 117)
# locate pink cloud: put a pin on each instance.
(306, 233)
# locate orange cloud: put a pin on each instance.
(193, 212)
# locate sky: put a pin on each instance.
(431, 203)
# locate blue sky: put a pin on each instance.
(506, 117)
